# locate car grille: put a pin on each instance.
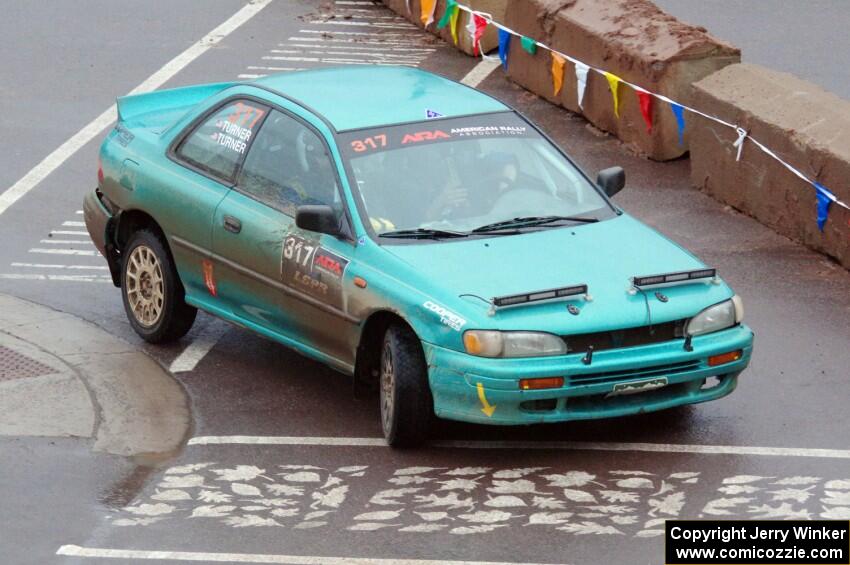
(634, 374)
(629, 337)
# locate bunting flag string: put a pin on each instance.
(558, 63)
(614, 84)
(504, 46)
(451, 9)
(428, 7)
(480, 20)
(529, 45)
(645, 103)
(581, 82)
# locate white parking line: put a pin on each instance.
(77, 551)
(479, 72)
(66, 278)
(200, 346)
(96, 126)
(45, 266)
(68, 232)
(558, 445)
(64, 251)
(65, 241)
(74, 224)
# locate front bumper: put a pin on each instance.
(458, 381)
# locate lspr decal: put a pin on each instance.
(310, 268)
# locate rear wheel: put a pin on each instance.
(152, 291)
(406, 403)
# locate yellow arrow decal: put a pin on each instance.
(486, 407)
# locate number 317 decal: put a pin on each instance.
(298, 250)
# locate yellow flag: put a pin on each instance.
(453, 23)
(614, 82)
(428, 9)
(557, 72)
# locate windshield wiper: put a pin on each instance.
(423, 233)
(531, 221)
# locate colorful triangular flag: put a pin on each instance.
(825, 199)
(451, 7)
(476, 28)
(645, 102)
(428, 8)
(581, 82)
(679, 113)
(614, 84)
(504, 46)
(557, 72)
(529, 44)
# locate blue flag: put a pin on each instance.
(825, 198)
(679, 112)
(504, 45)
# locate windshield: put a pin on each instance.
(465, 174)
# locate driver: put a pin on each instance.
(501, 172)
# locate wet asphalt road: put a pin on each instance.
(516, 505)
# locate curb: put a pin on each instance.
(61, 376)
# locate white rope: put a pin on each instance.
(742, 133)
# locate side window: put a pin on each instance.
(219, 143)
(288, 166)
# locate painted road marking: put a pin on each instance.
(74, 224)
(77, 551)
(563, 445)
(200, 346)
(66, 241)
(472, 500)
(61, 154)
(479, 72)
(68, 232)
(66, 278)
(43, 266)
(64, 251)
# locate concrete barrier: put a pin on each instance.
(805, 125)
(632, 39)
(489, 41)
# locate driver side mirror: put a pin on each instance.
(318, 218)
(612, 180)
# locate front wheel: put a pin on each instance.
(406, 404)
(152, 291)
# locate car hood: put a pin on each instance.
(603, 255)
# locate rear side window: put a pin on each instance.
(220, 142)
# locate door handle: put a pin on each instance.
(232, 224)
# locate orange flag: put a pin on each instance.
(428, 9)
(614, 83)
(557, 72)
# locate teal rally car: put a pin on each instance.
(414, 233)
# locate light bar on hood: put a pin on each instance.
(668, 278)
(514, 299)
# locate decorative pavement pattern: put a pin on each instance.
(472, 500)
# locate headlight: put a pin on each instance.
(489, 343)
(717, 317)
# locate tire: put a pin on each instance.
(405, 395)
(152, 291)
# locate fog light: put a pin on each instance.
(724, 358)
(545, 382)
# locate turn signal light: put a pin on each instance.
(545, 382)
(724, 358)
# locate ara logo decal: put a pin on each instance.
(431, 114)
(209, 276)
(424, 136)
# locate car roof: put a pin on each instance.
(355, 97)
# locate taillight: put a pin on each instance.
(99, 172)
